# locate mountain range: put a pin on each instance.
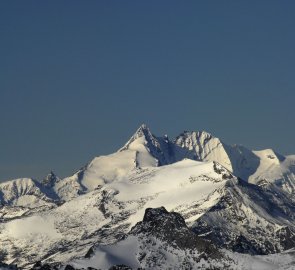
(213, 205)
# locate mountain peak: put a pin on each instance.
(195, 134)
(149, 147)
(171, 228)
(194, 139)
(142, 131)
(143, 126)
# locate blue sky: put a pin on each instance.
(78, 77)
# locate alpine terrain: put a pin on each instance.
(192, 202)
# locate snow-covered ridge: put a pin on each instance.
(205, 193)
(13, 192)
(144, 149)
(107, 212)
(251, 166)
(216, 187)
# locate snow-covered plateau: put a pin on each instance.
(189, 203)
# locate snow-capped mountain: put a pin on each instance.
(147, 150)
(236, 198)
(22, 197)
(251, 166)
(159, 148)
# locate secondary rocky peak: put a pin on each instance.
(196, 133)
(190, 139)
(159, 222)
(171, 228)
(202, 146)
(158, 214)
(50, 179)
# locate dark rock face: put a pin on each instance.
(89, 253)
(40, 266)
(221, 170)
(69, 267)
(287, 237)
(5, 266)
(171, 228)
(120, 267)
(242, 220)
(50, 180)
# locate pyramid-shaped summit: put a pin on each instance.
(160, 148)
(251, 166)
(142, 132)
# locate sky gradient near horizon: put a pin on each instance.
(79, 77)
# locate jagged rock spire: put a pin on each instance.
(142, 131)
(50, 179)
(157, 147)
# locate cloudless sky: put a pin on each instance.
(78, 77)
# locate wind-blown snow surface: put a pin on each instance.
(101, 202)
